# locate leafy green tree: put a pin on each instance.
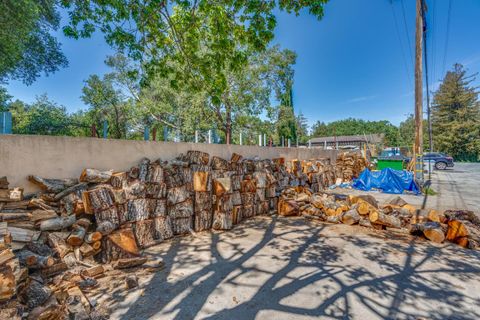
(4, 99)
(27, 47)
(43, 117)
(456, 116)
(203, 37)
(353, 126)
(286, 121)
(107, 103)
(302, 128)
(407, 132)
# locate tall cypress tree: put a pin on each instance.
(456, 116)
(287, 122)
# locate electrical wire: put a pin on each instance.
(448, 36)
(401, 46)
(407, 33)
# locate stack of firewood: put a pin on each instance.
(349, 165)
(461, 227)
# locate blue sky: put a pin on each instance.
(350, 63)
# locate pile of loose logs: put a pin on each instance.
(75, 228)
(461, 227)
(349, 165)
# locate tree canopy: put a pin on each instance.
(27, 47)
(456, 115)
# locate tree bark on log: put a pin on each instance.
(52, 185)
(163, 228)
(76, 237)
(378, 217)
(145, 233)
(59, 223)
(350, 217)
(34, 294)
(58, 244)
(431, 230)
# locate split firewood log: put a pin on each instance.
(248, 198)
(182, 225)
(463, 215)
(426, 215)
(464, 233)
(95, 176)
(260, 194)
(156, 190)
(33, 260)
(222, 220)
(262, 207)
(365, 222)
(222, 186)
(119, 244)
(248, 186)
(218, 163)
(203, 220)
(119, 180)
(8, 283)
(138, 210)
(288, 208)
(54, 270)
(397, 201)
(237, 214)
(145, 233)
(129, 262)
(39, 215)
(350, 217)
(163, 227)
(76, 237)
(203, 201)
(378, 217)
(155, 173)
(176, 195)
(58, 244)
(52, 185)
(236, 157)
(15, 216)
(431, 230)
(197, 157)
(97, 199)
(34, 294)
(200, 181)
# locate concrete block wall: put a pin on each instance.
(65, 157)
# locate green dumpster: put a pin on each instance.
(389, 163)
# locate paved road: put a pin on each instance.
(457, 188)
(292, 268)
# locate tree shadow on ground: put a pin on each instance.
(406, 279)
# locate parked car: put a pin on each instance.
(442, 161)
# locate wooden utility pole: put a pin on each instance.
(418, 146)
(418, 80)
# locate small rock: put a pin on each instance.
(131, 281)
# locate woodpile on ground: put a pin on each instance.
(349, 165)
(55, 242)
(461, 227)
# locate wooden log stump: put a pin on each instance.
(59, 223)
(378, 217)
(431, 230)
(350, 217)
(95, 176)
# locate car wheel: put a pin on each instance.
(440, 166)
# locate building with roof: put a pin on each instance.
(347, 142)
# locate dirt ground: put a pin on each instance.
(293, 268)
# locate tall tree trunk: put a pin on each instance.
(228, 125)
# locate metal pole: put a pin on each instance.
(105, 129)
(325, 145)
(241, 138)
(146, 134)
(283, 141)
(196, 136)
(165, 134)
(309, 143)
(260, 140)
(264, 140)
(288, 142)
(209, 136)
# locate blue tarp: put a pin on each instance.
(388, 180)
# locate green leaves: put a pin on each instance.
(27, 48)
(456, 116)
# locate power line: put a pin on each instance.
(448, 36)
(433, 46)
(401, 46)
(406, 32)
